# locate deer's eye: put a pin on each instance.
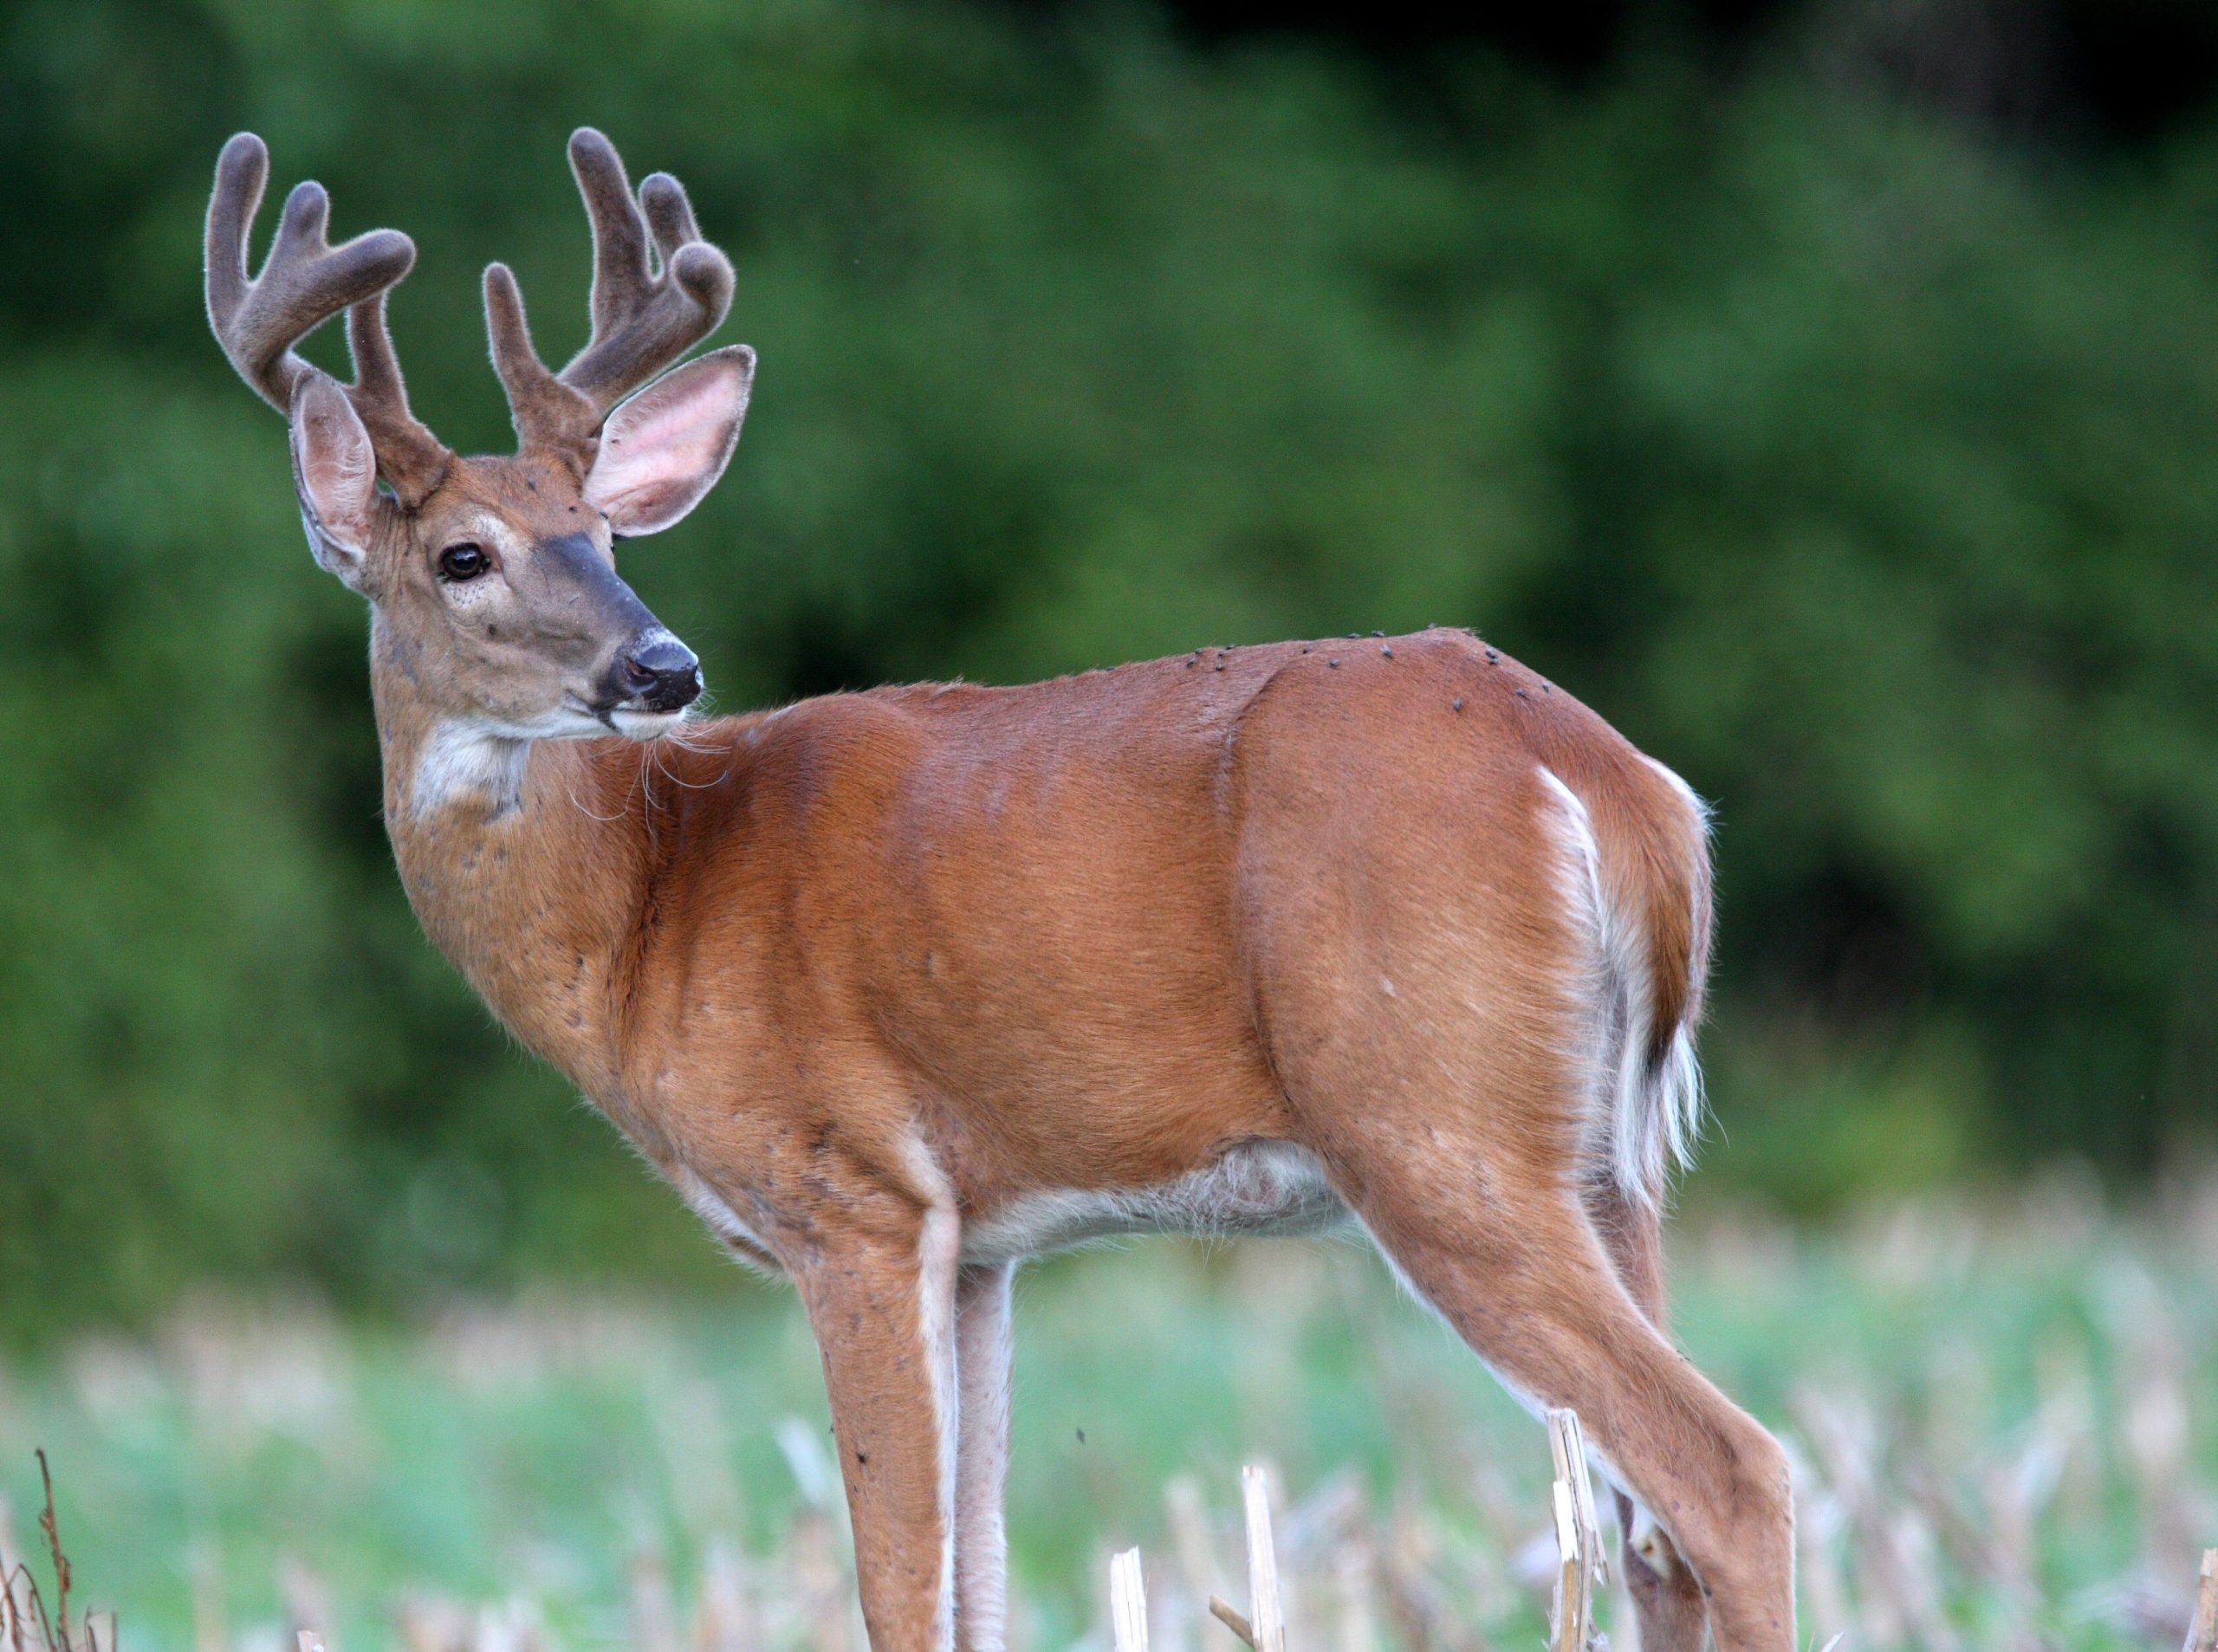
(463, 561)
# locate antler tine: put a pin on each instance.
(304, 281)
(642, 320)
(547, 412)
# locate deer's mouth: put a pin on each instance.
(641, 725)
(628, 717)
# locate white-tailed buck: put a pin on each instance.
(897, 988)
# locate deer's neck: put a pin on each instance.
(525, 867)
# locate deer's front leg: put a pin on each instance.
(981, 1338)
(882, 1305)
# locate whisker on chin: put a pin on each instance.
(605, 819)
(677, 736)
(675, 780)
(623, 809)
(694, 715)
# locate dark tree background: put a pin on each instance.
(1825, 391)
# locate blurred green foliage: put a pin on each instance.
(1855, 461)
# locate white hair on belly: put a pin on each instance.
(1258, 1188)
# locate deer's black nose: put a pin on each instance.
(660, 673)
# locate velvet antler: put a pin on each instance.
(304, 281)
(648, 310)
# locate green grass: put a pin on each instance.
(2042, 1366)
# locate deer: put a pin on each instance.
(899, 989)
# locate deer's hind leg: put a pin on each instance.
(1667, 1600)
(1521, 1273)
(1452, 1128)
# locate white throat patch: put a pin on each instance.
(465, 759)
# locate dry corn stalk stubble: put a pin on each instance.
(2202, 1633)
(1580, 1565)
(1967, 1486)
(724, 1621)
(25, 1623)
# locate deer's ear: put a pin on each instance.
(663, 449)
(335, 473)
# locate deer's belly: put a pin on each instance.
(1265, 1188)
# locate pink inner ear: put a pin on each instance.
(337, 469)
(663, 450)
(684, 423)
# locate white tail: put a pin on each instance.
(1642, 1079)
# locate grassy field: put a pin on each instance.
(2005, 1419)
